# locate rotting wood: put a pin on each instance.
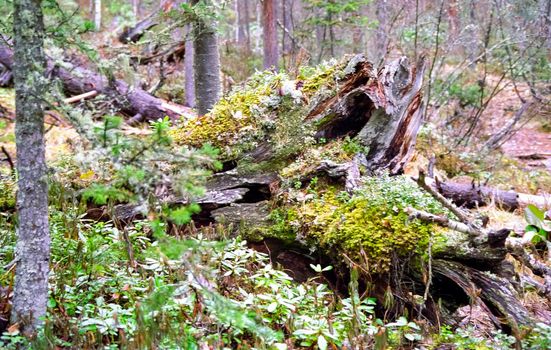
(496, 293)
(473, 195)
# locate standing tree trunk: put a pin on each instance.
(382, 11)
(243, 32)
(136, 8)
(206, 63)
(188, 69)
(33, 240)
(288, 43)
(84, 8)
(97, 15)
(270, 34)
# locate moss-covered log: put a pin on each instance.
(271, 118)
(312, 167)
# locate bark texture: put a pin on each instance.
(33, 242)
(288, 43)
(188, 69)
(206, 64)
(97, 15)
(269, 23)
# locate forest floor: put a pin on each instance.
(530, 143)
(530, 146)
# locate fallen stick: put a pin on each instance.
(80, 97)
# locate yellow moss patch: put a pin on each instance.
(7, 193)
(371, 223)
(236, 119)
(324, 76)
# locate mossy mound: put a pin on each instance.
(269, 106)
(370, 224)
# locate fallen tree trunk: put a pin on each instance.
(173, 53)
(132, 101)
(133, 34)
(473, 196)
(496, 295)
(380, 111)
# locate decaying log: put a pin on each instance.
(173, 53)
(473, 196)
(258, 213)
(494, 293)
(382, 109)
(133, 34)
(131, 100)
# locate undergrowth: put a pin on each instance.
(116, 288)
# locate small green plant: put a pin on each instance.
(538, 338)
(538, 227)
(467, 339)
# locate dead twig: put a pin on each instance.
(8, 159)
(443, 200)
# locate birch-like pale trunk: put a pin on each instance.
(97, 15)
(33, 238)
(136, 8)
(189, 84)
(206, 64)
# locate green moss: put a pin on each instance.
(370, 224)
(322, 77)
(282, 228)
(238, 122)
(7, 193)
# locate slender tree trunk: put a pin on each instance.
(546, 23)
(288, 43)
(247, 20)
(331, 34)
(381, 39)
(188, 69)
(33, 238)
(206, 64)
(242, 32)
(258, 20)
(472, 37)
(97, 15)
(270, 34)
(84, 8)
(454, 22)
(136, 8)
